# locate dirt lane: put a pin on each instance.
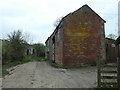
(42, 75)
(21, 76)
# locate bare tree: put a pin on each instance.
(57, 22)
(112, 36)
(28, 38)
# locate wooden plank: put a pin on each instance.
(109, 74)
(108, 84)
(103, 71)
(109, 77)
(109, 81)
(110, 66)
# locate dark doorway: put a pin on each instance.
(53, 49)
(27, 51)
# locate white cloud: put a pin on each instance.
(37, 16)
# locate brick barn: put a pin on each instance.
(111, 51)
(78, 39)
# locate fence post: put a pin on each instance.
(118, 60)
(98, 72)
(118, 64)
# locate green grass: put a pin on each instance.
(104, 87)
(14, 63)
(25, 60)
(4, 71)
(36, 58)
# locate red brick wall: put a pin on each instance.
(59, 46)
(59, 54)
(82, 38)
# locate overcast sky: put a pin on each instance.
(36, 17)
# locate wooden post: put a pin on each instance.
(118, 62)
(118, 72)
(98, 72)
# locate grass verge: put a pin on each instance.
(13, 63)
(40, 59)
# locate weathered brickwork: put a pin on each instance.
(82, 38)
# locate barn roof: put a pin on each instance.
(92, 11)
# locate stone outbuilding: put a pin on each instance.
(78, 39)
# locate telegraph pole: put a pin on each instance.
(119, 18)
